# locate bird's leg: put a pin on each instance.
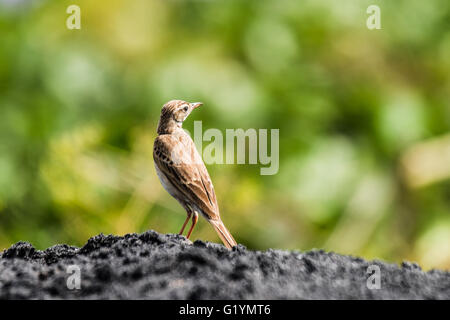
(194, 222)
(189, 214)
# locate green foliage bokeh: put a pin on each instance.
(364, 119)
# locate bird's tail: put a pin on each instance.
(223, 233)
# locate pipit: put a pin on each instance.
(182, 172)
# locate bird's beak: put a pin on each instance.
(195, 105)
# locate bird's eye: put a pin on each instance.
(185, 109)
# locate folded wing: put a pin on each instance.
(179, 161)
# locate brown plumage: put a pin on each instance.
(182, 172)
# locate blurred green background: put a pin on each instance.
(364, 119)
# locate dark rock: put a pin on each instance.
(157, 266)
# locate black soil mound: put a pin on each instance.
(156, 266)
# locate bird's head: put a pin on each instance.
(174, 113)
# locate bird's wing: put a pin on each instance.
(180, 162)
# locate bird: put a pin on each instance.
(182, 172)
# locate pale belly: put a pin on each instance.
(175, 193)
(167, 184)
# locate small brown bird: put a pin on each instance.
(182, 172)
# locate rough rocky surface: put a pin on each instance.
(157, 266)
